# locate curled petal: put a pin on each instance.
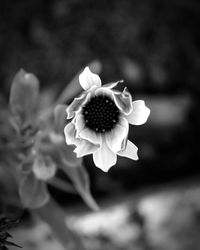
(75, 105)
(123, 101)
(104, 158)
(90, 135)
(69, 132)
(85, 148)
(79, 124)
(124, 142)
(88, 79)
(139, 114)
(112, 84)
(104, 91)
(130, 151)
(92, 89)
(115, 139)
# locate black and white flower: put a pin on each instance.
(100, 121)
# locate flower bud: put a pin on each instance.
(44, 168)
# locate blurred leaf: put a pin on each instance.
(7, 178)
(60, 117)
(68, 156)
(80, 179)
(65, 151)
(53, 144)
(8, 186)
(23, 95)
(52, 214)
(26, 166)
(33, 192)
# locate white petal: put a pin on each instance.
(130, 151)
(88, 79)
(117, 136)
(79, 124)
(112, 84)
(75, 105)
(104, 91)
(140, 113)
(90, 135)
(123, 101)
(69, 132)
(85, 148)
(104, 158)
(123, 122)
(92, 89)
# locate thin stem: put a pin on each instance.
(62, 185)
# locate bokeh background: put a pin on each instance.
(154, 46)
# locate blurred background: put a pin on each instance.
(154, 46)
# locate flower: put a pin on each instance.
(100, 121)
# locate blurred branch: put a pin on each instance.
(62, 185)
(55, 217)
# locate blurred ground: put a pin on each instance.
(160, 218)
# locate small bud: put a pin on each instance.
(56, 138)
(24, 95)
(44, 168)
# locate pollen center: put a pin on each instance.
(101, 114)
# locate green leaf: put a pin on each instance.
(33, 192)
(24, 95)
(80, 179)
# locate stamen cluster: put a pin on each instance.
(101, 114)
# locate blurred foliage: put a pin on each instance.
(39, 145)
(33, 150)
(5, 225)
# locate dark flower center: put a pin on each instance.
(101, 114)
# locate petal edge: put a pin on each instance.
(104, 158)
(130, 151)
(87, 79)
(139, 114)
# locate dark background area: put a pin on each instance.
(152, 45)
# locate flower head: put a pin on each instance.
(100, 121)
